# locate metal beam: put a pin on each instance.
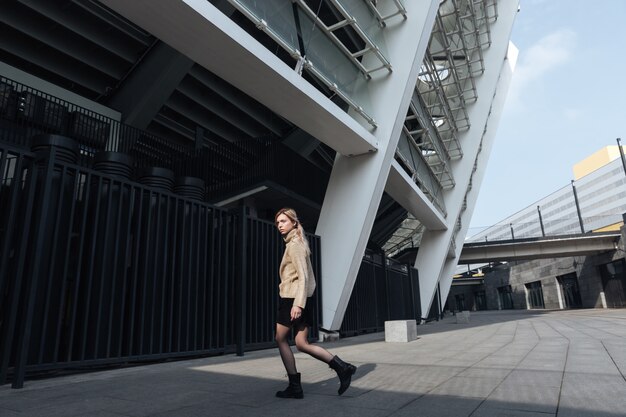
(149, 84)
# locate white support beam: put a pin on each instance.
(433, 259)
(356, 184)
(405, 192)
(204, 34)
(499, 99)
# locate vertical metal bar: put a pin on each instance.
(257, 282)
(621, 154)
(197, 293)
(31, 289)
(240, 289)
(189, 263)
(215, 294)
(104, 263)
(140, 194)
(155, 274)
(580, 217)
(92, 256)
(173, 278)
(14, 209)
(231, 265)
(47, 284)
(296, 18)
(181, 275)
(66, 272)
(439, 306)
(131, 199)
(512, 234)
(543, 231)
(8, 327)
(224, 259)
(204, 276)
(116, 239)
(144, 277)
(165, 260)
(386, 275)
(79, 275)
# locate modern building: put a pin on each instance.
(374, 119)
(595, 201)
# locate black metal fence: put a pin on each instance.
(97, 269)
(26, 112)
(384, 290)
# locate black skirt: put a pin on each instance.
(284, 314)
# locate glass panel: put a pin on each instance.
(331, 61)
(327, 59)
(278, 14)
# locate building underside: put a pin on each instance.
(375, 118)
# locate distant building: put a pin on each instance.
(599, 185)
(595, 201)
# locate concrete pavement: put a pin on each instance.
(500, 364)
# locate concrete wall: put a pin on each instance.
(518, 274)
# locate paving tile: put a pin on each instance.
(4, 412)
(439, 406)
(467, 387)
(502, 364)
(534, 377)
(497, 412)
(596, 386)
(532, 398)
(591, 406)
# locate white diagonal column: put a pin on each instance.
(357, 183)
(434, 259)
(487, 143)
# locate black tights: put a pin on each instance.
(303, 345)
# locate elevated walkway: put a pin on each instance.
(538, 248)
(501, 363)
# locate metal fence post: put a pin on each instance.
(31, 288)
(10, 320)
(241, 287)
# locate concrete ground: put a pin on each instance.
(500, 364)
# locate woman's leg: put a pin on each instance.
(282, 333)
(303, 345)
(344, 370)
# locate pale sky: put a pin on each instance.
(566, 101)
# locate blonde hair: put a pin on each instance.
(300, 235)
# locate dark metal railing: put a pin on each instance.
(384, 290)
(241, 165)
(96, 269)
(26, 112)
(225, 168)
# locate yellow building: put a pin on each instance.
(596, 161)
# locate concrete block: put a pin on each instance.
(463, 316)
(328, 336)
(400, 330)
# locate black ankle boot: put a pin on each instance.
(344, 372)
(294, 390)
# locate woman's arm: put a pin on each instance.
(298, 257)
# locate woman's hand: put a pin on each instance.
(296, 313)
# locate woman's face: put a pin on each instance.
(284, 224)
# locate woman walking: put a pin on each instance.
(297, 285)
